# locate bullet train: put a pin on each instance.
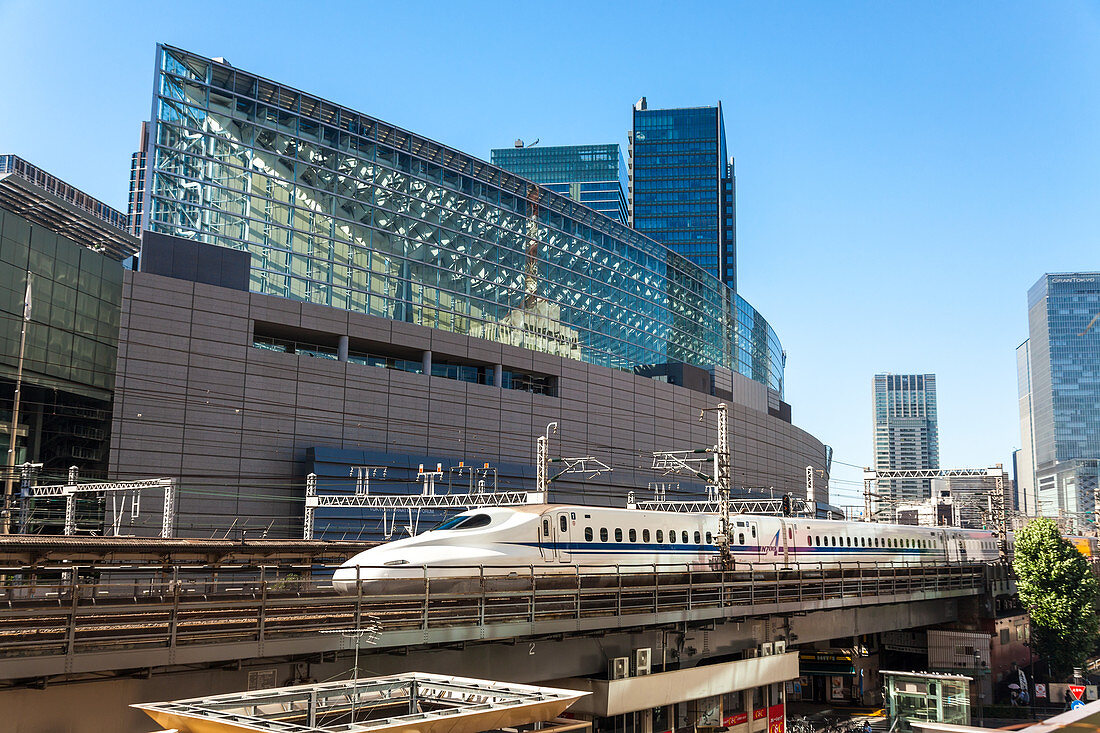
(502, 541)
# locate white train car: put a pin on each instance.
(559, 538)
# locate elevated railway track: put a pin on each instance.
(61, 621)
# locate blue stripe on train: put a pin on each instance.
(745, 549)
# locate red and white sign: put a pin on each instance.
(775, 719)
(1040, 690)
(1078, 691)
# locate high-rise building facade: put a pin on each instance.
(337, 208)
(590, 174)
(682, 191)
(906, 434)
(1059, 368)
(70, 246)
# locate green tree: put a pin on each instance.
(1059, 590)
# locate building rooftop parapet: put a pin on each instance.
(64, 209)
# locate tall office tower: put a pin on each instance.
(135, 202)
(906, 434)
(1023, 459)
(1060, 388)
(681, 186)
(590, 174)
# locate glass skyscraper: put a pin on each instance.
(682, 188)
(591, 174)
(344, 210)
(1059, 378)
(906, 433)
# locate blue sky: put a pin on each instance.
(905, 171)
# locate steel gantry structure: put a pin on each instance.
(996, 502)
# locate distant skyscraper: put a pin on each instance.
(135, 203)
(906, 433)
(1059, 376)
(682, 187)
(590, 174)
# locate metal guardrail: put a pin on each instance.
(181, 611)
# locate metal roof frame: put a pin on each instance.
(456, 705)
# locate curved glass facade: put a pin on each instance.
(343, 210)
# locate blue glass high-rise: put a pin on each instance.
(1059, 369)
(682, 187)
(590, 174)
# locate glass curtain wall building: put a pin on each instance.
(340, 209)
(682, 188)
(591, 174)
(906, 431)
(1059, 377)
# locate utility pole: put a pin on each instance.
(9, 479)
(723, 482)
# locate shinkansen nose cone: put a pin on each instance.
(397, 569)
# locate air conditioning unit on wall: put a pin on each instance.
(643, 661)
(619, 668)
(780, 647)
(767, 649)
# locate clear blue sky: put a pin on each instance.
(905, 171)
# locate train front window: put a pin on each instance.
(465, 522)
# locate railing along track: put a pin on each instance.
(72, 615)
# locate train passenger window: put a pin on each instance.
(603, 534)
(587, 534)
(563, 523)
(849, 541)
(645, 535)
(698, 537)
(684, 536)
(660, 537)
(618, 534)
(710, 539)
(740, 538)
(546, 528)
(633, 534)
(809, 540)
(818, 542)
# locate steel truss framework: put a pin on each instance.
(133, 489)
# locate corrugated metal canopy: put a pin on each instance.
(410, 703)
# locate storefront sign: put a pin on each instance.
(775, 719)
(736, 719)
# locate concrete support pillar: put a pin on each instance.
(498, 375)
(342, 349)
(427, 362)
